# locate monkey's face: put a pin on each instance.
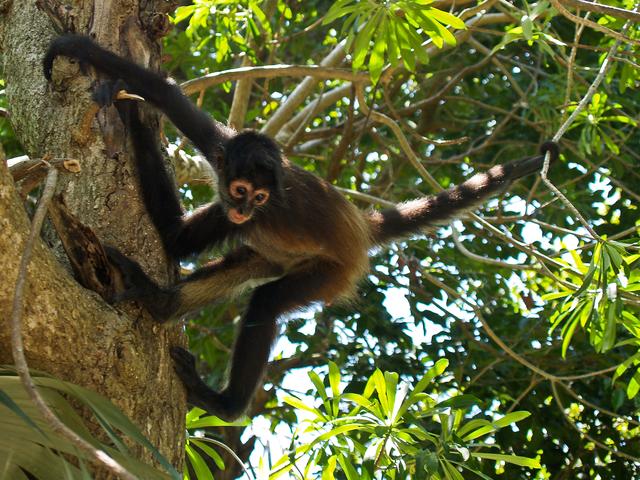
(243, 198)
(250, 177)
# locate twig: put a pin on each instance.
(508, 350)
(621, 37)
(617, 453)
(365, 197)
(17, 345)
(565, 126)
(229, 451)
(489, 261)
(534, 382)
(571, 61)
(316, 72)
(570, 391)
(605, 9)
(400, 136)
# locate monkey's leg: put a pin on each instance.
(223, 278)
(257, 332)
(220, 279)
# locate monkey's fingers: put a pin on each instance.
(124, 95)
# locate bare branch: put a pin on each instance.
(316, 72)
(596, 26)
(605, 9)
(565, 126)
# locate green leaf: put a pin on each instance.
(376, 59)
(510, 418)
(319, 384)
(450, 472)
(213, 421)
(408, 57)
(8, 402)
(334, 379)
(215, 456)
(609, 337)
(348, 468)
(446, 18)
(199, 466)
(183, 13)
(299, 404)
(363, 38)
(570, 327)
(459, 401)
(381, 388)
(340, 9)
(514, 459)
(474, 425)
(330, 468)
(554, 296)
(634, 385)
(391, 385)
(588, 278)
(527, 27)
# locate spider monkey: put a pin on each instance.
(297, 232)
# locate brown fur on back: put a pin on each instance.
(315, 224)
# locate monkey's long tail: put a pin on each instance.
(411, 217)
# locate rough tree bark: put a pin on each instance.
(69, 331)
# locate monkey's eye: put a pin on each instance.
(261, 198)
(238, 191)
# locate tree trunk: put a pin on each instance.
(68, 330)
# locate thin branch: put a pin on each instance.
(611, 414)
(316, 72)
(496, 339)
(601, 445)
(229, 451)
(284, 113)
(621, 37)
(605, 10)
(479, 258)
(365, 197)
(570, 63)
(17, 345)
(240, 103)
(565, 126)
(534, 382)
(400, 136)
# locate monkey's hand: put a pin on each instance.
(105, 93)
(108, 92)
(198, 393)
(134, 284)
(114, 92)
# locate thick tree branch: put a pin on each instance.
(17, 345)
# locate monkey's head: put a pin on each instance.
(250, 176)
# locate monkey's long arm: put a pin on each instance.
(206, 134)
(181, 236)
(411, 217)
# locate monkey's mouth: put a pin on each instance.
(236, 217)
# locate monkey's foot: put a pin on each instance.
(198, 393)
(134, 284)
